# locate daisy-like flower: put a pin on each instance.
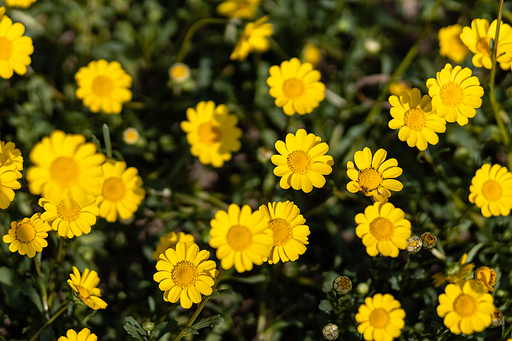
(302, 162)
(396, 88)
(254, 38)
(84, 335)
(450, 44)
(121, 191)
(383, 229)
(15, 49)
(454, 271)
(413, 115)
(478, 39)
(70, 217)
(85, 287)
(311, 54)
(245, 9)
(212, 133)
(380, 318)
(242, 237)
(296, 87)
(486, 276)
(491, 190)
(184, 274)
(170, 240)
(375, 177)
(466, 307)
(19, 3)
(27, 236)
(288, 229)
(103, 86)
(12, 154)
(179, 73)
(65, 165)
(130, 136)
(455, 94)
(9, 175)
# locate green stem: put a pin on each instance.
(108, 144)
(44, 294)
(50, 321)
(191, 31)
(59, 253)
(199, 309)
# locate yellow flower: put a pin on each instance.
(130, 136)
(242, 237)
(12, 154)
(418, 123)
(491, 190)
(27, 236)
(19, 3)
(311, 54)
(2, 12)
(396, 88)
(302, 162)
(254, 38)
(15, 48)
(450, 44)
(466, 307)
(478, 39)
(245, 9)
(375, 176)
(65, 165)
(380, 318)
(179, 73)
(9, 176)
(288, 229)
(84, 335)
(212, 133)
(170, 240)
(103, 86)
(85, 287)
(70, 217)
(383, 229)
(455, 94)
(454, 271)
(486, 276)
(296, 87)
(184, 274)
(121, 191)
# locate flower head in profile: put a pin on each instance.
(84, 335)
(455, 94)
(212, 133)
(380, 318)
(15, 48)
(170, 240)
(179, 73)
(466, 307)
(85, 287)
(9, 175)
(296, 87)
(478, 39)
(288, 229)
(491, 190)
(121, 191)
(486, 276)
(417, 121)
(253, 39)
(301, 162)
(103, 86)
(383, 229)
(375, 177)
(19, 3)
(184, 274)
(242, 237)
(245, 9)
(450, 44)
(454, 271)
(27, 236)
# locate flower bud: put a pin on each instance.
(330, 331)
(414, 244)
(429, 240)
(342, 285)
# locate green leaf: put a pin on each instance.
(207, 322)
(133, 328)
(6, 275)
(28, 290)
(325, 305)
(47, 335)
(163, 328)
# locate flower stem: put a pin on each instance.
(44, 294)
(59, 253)
(108, 144)
(50, 321)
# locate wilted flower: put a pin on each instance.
(486, 277)
(429, 240)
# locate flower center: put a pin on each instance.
(113, 189)
(465, 305)
(65, 171)
(209, 133)
(102, 85)
(369, 179)
(282, 231)
(491, 190)
(68, 210)
(179, 72)
(415, 119)
(26, 232)
(451, 94)
(379, 318)
(239, 237)
(293, 88)
(382, 229)
(483, 45)
(132, 136)
(6, 48)
(299, 162)
(184, 274)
